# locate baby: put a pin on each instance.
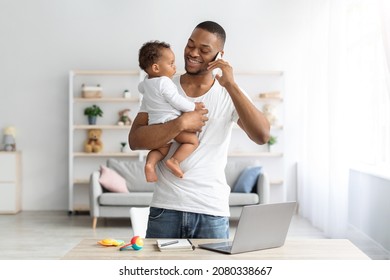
(163, 103)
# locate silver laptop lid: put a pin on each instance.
(263, 226)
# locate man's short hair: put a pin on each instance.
(150, 52)
(214, 28)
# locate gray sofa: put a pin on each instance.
(105, 204)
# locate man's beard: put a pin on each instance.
(194, 73)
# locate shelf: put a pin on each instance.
(273, 127)
(255, 154)
(112, 98)
(263, 99)
(255, 73)
(106, 99)
(276, 182)
(9, 152)
(248, 73)
(106, 72)
(81, 181)
(115, 127)
(277, 127)
(128, 154)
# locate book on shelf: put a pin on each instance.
(174, 244)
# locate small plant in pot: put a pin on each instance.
(93, 112)
(123, 146)
(272, 141)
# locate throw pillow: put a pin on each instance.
(112, 181)
(133, 173)
(247, 179)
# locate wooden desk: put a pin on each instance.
(293, 249)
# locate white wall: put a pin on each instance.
(42, 40)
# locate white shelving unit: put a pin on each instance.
(255, 83)
(81, 164)
(113, 83)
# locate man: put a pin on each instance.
(197, 205)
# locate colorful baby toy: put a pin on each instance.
(111, 242)
(136, 243)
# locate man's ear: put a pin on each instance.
(222, 53)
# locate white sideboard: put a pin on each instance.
(10, 182)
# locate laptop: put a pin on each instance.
(261, 226)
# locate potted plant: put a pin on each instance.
(93, 112)
(272, 141)
(126, 93)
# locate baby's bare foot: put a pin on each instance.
(174, 166)
(150, 173)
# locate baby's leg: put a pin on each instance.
(189, 142)
(152, 158)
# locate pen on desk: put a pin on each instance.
(193, 247)
(169, 243)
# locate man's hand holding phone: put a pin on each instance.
(216, 70)
(226, 77)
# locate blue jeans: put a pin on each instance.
(164, 223)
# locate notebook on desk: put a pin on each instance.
(260, 226)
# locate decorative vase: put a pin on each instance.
(9, 143)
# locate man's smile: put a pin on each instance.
(193, 61)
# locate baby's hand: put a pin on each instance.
(199, 106)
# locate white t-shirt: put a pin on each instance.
(203, 189)
(162, 101)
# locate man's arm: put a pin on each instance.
(251, 120)
(147, 137)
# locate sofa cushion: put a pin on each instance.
(134, 174)
(234, 168)
(112, 181)
(247, 180)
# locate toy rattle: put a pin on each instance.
(136, 243)
(111, 242)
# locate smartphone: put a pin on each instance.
(217, 70)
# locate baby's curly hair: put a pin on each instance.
(150, 52)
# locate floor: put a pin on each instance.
(46, 235)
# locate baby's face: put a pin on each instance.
(166, 63)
